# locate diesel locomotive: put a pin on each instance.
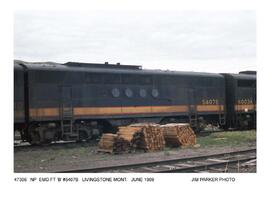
(80, 101)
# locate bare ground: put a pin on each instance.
(50, 159)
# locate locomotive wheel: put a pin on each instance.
(33, 134)
(84, 135)
(34, 138)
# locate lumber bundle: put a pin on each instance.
(128, 132)
(112, 144)
(144, 136)
(148, 137)
(178, 134)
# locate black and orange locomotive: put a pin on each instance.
(80, 101)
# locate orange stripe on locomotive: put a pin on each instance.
(127, 110)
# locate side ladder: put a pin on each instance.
(193, 116)
(66, 114)
(221, 116)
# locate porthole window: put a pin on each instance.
(115, 92)
(155, 93)
(143, 93)
(128, 92)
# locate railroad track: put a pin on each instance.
(223, 162)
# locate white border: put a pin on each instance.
(169, 190)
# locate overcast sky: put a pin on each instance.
(218, 41)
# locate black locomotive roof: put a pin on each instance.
(17, 66)
(250, 72)
(243, 76)
(106, 65)
(109, 68)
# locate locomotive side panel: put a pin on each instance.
(123, 95)
(245, 102)
(19, 114)
(210, 95)
(245, 96)
(44, 95)
(241, 100)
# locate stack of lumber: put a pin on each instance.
(178, 134)
(128, 132)
(144, 136)
(148, 137)
(112, 144)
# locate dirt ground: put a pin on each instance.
(75, 156)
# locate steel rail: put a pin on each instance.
(153, 163)
(206, 166)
